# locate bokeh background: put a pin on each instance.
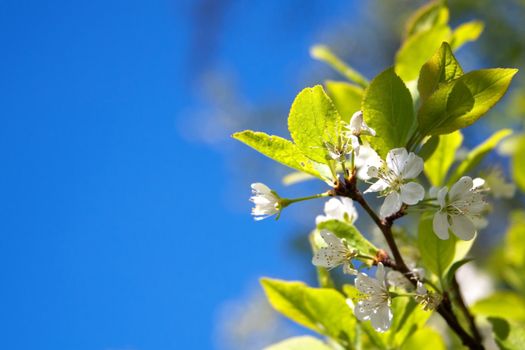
(124, 220)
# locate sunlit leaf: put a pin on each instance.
(346, 97)
(433, 14)
(313, 121)
(387, 108)
(438, 165)
(518, 165)
(278, 149)
(323, 53)
(299, 343)
(509, 335)
(466, 32)
(422, 338)
(475, 156)
(508, 305)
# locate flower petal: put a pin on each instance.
(261, 188)
(378, 186)
(391, 205)
(440, 225)
(396, 159)
(413, 167)
(460, 188)
(412, 193)
(463, 227)
(361, 313)
(441, 197)
(381, 318)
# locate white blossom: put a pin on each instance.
(394, 180)
(375, 306)
(335, 253)
(495, 182)
(356, 128)
(459, 208)
(366, 159)
(267, 202)
(338, 209)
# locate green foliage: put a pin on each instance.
(423, 338)
(409, 317)
(475, 156)
(434, 14)
(438, 164)
(323, 53)
(299, 343)
(440, 68)
(417, 49)
(346, 97)
(518, 165)
(437, 254)
(278, 149)
(387, 108)
(353, 237)
(513, 252)
(507, 305)
(509, 335)
(322, 310)
(314, 121)
(466, 32)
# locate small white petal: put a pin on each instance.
(378, 186)
(413, 167)
(261, 188)
(412, 193)
(477, 183)
(381, 274)
(460, 188)
(391, 205)
(381, 319)
(396, 160)
(361, 313)
(441, 197)
(440, 225)
(463, 227)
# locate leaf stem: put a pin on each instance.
(287, 201)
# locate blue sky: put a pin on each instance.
(116, 229)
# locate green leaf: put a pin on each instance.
(409, 316)
(518, 165)
(299, 343)
(466, 32)
(440, 68)
(455, 266)
(437, 254)
(509, 335)
(387, 108)
(449, 102)
(319, 309)
(438, 165)
(417, 49)
(278, 149)
(346, 98)
(323, 53)
(508, 305)
(313, 121)
(431, 15)
(514, 238)
(423, 338)
(353, 237)
(475, 156)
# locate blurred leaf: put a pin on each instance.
(429, 147)
(313, 121)
(437, 254)
(475, 156)
(509, 335)
(417, 49)
(514, 240)
(346, 97)
(422, 338)
(299, 343)
(323, 53)
(438, 165)
(409, 316)
(278, 149)
(518, 165)
(433, 14)
(466, 32)
(353, 237)
(455, 266)
(322, 310)
(387, 108)
(296, 177)
(508, 305)
(449, 102)
(440, 68)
